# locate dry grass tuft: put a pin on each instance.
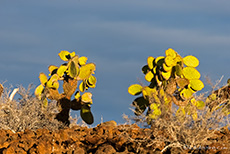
(185, 133)
(26, 112)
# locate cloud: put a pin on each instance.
(117, 35)
(135, 35)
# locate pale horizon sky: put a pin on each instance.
(117, 35)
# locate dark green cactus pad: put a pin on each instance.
(140, 104)
(86, 114)
(73, 70)
(145, 69)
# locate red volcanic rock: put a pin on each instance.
(103, 139)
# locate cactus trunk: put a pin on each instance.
(64, 106)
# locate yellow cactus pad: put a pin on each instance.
(150, 62)
(64, 55)
(51, 69)
(87, 98)
(135, 89)
(200, 105)
(38, 91)
(166, 75)
(162, 92)
(166, 68)
(194, 101)
(170, 61)
(178, 58)
(147, 92)
(170, 52)
(82, 60)
(49, 84)
(186, 93)
(77, 95)
(54, 77)
(72, 54)
(56, 84)
(191, 61)
(156, 111)
(212, 97)
(149, 76)
(92, 80)
(154, 106)
(86, 71)
(61, 70)
(191, 73)
(43, 78)
(82, 86)
(196, 85)
(155, 70)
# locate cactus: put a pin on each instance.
(74, 70)
(172, 79)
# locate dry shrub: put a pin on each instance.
(186, 133)
(26, 112)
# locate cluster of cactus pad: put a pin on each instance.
(172, 79)
(74, 70)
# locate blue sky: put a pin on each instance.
(117, 35)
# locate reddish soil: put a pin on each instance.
(103, 139)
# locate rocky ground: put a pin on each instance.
(106, 138)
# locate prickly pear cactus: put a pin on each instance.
(173, 79)
(74, 70)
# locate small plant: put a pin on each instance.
(172, 79)
(220, 99)
(71, 72)
(26, 112)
